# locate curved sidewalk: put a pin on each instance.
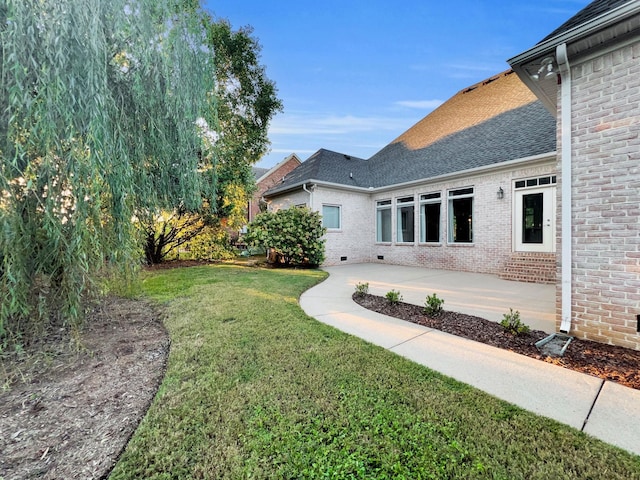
(600, 408)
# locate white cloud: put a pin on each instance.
(288, 151)
(420, 104)
(301, 124)
(474, 67)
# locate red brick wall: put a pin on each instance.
(273, 178)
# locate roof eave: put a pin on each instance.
(588, 28)
(548, 48)
(298, 186)
(509, 164)
(493, 168)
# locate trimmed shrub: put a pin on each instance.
(433, 305)
(393, 297)
(511, 323)
(293, 235)
(362, 289)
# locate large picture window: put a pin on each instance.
(430, 217)
(461, 215)
(383, 221)
(405, 219)
(331, 217)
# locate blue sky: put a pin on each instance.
(353, 75)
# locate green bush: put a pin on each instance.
(362, 289)
(511, 323)
(393, 297)
(294, 234)
(433, 305)
(212, 244)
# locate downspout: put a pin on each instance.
(310, 192)
(565, 166)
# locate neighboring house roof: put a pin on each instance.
(266, 172)
(259, 172)
(494, 121)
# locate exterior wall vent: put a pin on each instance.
(343, 259)
(380, 257)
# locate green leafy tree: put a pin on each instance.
(106, 112)
(294, 235)
(247, 101)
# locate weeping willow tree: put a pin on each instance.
(107, 111)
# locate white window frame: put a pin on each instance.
(430, 199)
(459, 194)
(404, 202)
(332, 205)
(380, 206)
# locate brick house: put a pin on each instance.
(443, 193)
(478, 185)
(267, 178)
(587, 73)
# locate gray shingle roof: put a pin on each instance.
(495, 121)
(523, 132)
(328, 166)
(591, 11)
(258, 171)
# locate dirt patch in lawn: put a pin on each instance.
(608, 362)
(69, 411)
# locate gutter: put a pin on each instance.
(495, 167)
(603, 21)
(565, 179)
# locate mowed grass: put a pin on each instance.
(256, 389)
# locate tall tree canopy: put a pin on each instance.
(108, 108)
(247, 101)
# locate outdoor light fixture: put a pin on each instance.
(547, 69)
(500, 193)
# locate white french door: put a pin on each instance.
(535, 220)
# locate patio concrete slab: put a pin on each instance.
(484, 295)
(605, 410)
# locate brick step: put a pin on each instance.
(530, 267)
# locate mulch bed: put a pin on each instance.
(609, 362)
(69, 409)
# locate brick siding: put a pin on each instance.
(605, 179)
(492, 223)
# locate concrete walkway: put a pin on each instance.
(600, 408)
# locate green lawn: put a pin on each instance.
(256, 389)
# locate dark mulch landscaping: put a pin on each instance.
(608, 362)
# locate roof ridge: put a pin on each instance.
(484, 82)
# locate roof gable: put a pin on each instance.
(469, 107)
(494, 121)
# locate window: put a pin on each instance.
(430, 217)
(534, 182)
(405, 219)
(331, 217)
(383, 221)
(461, 215)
